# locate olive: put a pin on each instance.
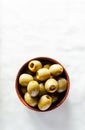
(24, 79)
(30, 100)
(33, 88)
(34, 65)
(43, 74)
(56, 69)
(42, 89)
(35, 78)
(27, 71)
(23, 90)
(45, 102)
(47, 66)
(62, 82)
(54, 97)
(51, 85)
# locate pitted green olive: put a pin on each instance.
(24, 79)
(45, 102)
(34, 65)
(47, 66)
(56, 69)
(51, 85)
(62, 82)
(23, 90)
(30, 100)
(54, 97)
(27, 71)
(43, 74)
(42, 89)
(33, 88)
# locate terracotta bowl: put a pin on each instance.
(62, 96)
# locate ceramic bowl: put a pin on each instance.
(44, 60)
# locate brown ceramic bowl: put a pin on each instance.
(62, 96)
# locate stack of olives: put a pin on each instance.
(42, 83)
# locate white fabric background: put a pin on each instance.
(53, 28)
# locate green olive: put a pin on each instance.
(34, 65)
(47, 66)
(23, 90)
(35, 78)
(54, 98)
(24, 79)
(42, 89)
(45, 102)
(30, 100)
(27, 71)
(56, 69)
(33, 88)
(51, 85)
(43, 74)
(62, 82)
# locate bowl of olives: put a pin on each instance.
(42, 84)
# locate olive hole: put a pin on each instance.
(47, 96)
(32, 65)
(52, 87)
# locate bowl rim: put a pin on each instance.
(19, 95)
